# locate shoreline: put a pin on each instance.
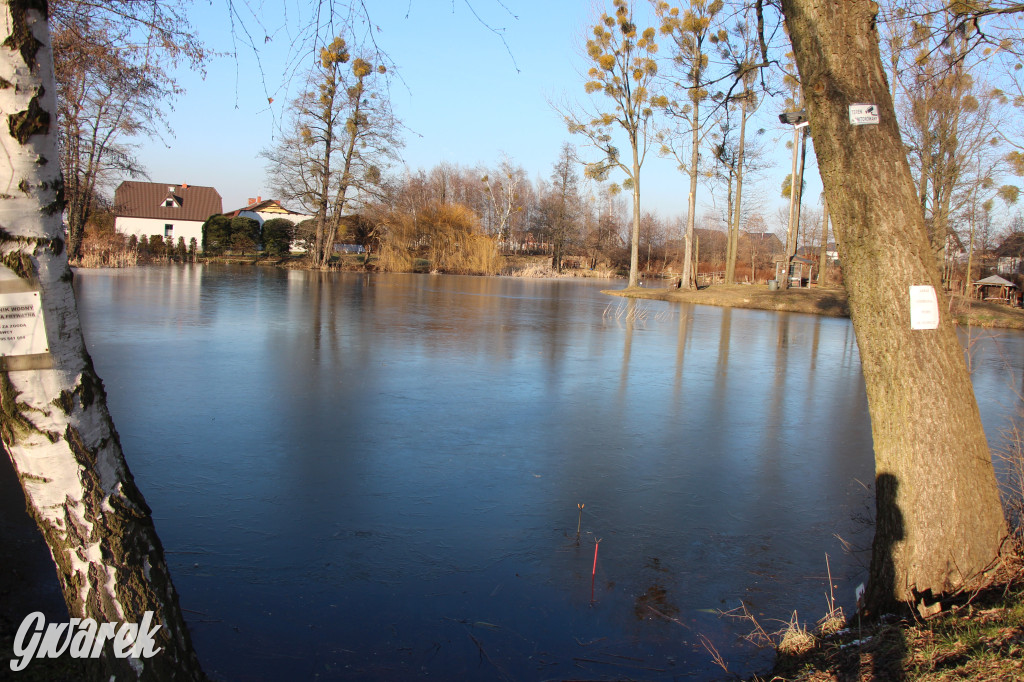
(827, 301)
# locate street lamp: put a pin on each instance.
(797, 119)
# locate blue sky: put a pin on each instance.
(466, 96)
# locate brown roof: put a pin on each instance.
(134, 199)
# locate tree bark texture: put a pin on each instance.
(939, 523)
(823, 246)
(54, 423)
(634, 235)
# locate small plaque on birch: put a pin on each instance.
(22, 331)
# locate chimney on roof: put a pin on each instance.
(258, 198)
(250, 202)
(184, 185)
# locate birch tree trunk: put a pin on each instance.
(54, 423)
(939, 523)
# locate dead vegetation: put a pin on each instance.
(978, 636)
(443, 237)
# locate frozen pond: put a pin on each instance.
(378, 476)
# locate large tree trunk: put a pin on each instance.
(54, 422)
(939, 522)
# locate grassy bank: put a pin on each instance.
(978, 636)
(829, 301)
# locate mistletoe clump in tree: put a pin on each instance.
(341, 134)
(623, 69)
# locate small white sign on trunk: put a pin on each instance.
(863, 114)
(924, 308)
(22, 331)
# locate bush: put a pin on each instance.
(245, 231)
(216, 234)
(242, 242)
(277, 236)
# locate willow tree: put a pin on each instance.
(939, 524)
(690, 32)
(622, 68)
(341, 134)
(55, 424)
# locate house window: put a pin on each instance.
(168, 230)
(169, 202)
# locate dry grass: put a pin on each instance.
(544, 271)
(794, 639)
(980, 636)
(107, 250)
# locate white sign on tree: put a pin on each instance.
(863, 114)
(22, 331)
(924, 308)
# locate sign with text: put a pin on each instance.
(22, 331)
(863, 114)
(924, 308)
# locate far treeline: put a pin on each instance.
(692, 86)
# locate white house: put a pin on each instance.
(262, 211)
(153, 208)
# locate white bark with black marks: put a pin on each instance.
(54, 423)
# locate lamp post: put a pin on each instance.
(797, 119)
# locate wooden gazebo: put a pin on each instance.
(994, 288)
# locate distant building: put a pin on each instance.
(1009, 265)
(765, 242)
(164, 210)
(262, 211)
(831, 252)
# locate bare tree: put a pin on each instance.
(503, 194)
(691, 35)
(341, 135)
(563, 205)
(623, 70)
(111, 87)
